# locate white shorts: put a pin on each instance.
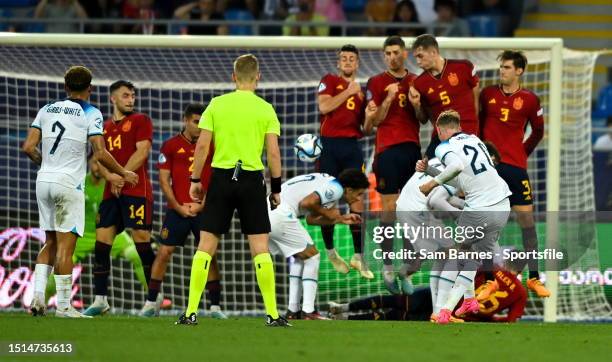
(60, 208)
(429, 240)
(288, 237)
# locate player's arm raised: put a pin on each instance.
(415, 99)
(30, 145)
(328, 103)
(312, 203)
(199, 158)
(108, 161)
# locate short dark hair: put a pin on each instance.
(193, 108)
(519, 60)
(452, 4)
(349, 48)
(425, 41)
(493, 151)
(394, 40)
(448, 118)
(122, 83)
(77, 78)
(353, 178)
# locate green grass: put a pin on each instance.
(246, 339)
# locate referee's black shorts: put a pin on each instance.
(247, 195)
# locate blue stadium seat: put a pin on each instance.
(484, 25)
(235, 14)
(603, 109)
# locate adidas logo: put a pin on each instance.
(430, 91)
(182, 150)
(492, 101)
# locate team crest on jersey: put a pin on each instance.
(329, 194)
(164, 233)
(492, 101)
(322, 87)
(127, 126)
(430, 91)
(453, 79)
(518, 103)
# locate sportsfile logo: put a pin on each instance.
(428, 232)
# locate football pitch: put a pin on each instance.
(121, 338)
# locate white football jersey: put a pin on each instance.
(479, 179)
(294, 190)
(411, 198)
(65, 126)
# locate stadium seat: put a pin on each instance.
(484, 25)
(234, 14)
(354, 6)
(603, 109)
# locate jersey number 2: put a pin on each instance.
(467, 149)
(62, 129)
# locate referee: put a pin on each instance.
(239, 123)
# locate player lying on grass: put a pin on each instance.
(315, 196)
(507, 304)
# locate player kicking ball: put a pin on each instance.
(315, 196)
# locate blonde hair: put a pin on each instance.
(246, 68)
(448, 118)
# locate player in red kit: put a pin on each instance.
(444, 84)
(341, 105)
(397, 139)
(510, 298)
(183, 216)
(128, 137)
(505, 111)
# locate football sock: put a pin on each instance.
(264, 270)
(63, 286)
(295, 283)
(310, 278)
(147, 257)
(101, 269)
(530, 242)
(214, 292)
(197, 280)
(446, 280)
(463, 283)
(41, 275)
(154, 288)
(357, 235)
(327, 231)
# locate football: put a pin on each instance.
(308, 147)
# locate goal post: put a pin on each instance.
(172, 70)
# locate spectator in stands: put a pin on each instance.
(66, 10)
(379, 11)
(332, 10)
(251, 6)
(141, 10)
(604, 142)
(203, 10)
(277, 10)
(447, 15)
(306, 13)
(405, 12)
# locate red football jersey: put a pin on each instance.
(400, 125)
(121, 138)
(511, 296)
(503, 119)
(176, 155)
(344, 121)
(451, 89)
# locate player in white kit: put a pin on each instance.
(314, 196)
(487, 207)
(63, 129)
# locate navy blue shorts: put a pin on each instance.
(394, 166)
(518, 182)
(123, 212)
(176, 228)
(339, 154)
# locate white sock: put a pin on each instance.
(310, 280)
(469, 288)
(63, 285)
(462, 284)
(434, 279)
(148, 303)
(446, 280)
(41, 275)
(296, 266)
(100, 299)
(215, 308)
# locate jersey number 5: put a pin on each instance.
(62, 129)
(444, 98)
(467, 149)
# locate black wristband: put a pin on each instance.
(275, 185)
(194, 180)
